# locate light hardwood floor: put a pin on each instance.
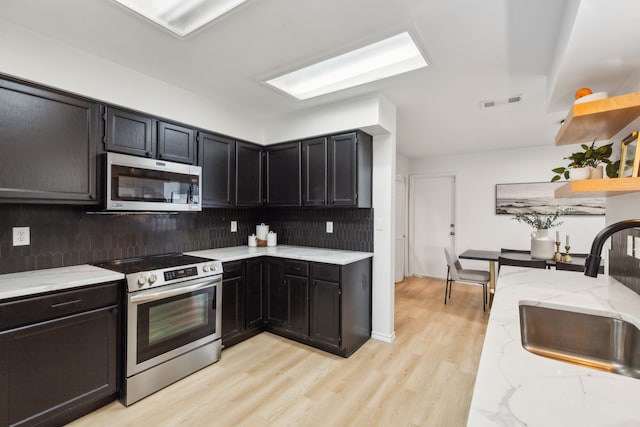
(424, 378)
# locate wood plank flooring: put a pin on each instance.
(424, 378)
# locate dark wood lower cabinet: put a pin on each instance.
(242, 301)
(53, 371)
(326, 306)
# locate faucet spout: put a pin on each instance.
(593, 260)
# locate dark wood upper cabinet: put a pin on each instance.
(249, 174)
(283, 174)
(216, 156)
(314, 172)
(48, 143)
(176, 143)
(130, 133)
(350, 169)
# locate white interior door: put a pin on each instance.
(401, 227)
(432, 220)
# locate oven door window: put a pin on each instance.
(170, 323)
(130, 184)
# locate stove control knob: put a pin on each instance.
(153, 278)
(214, 267)
(206, 268)
(142, 280)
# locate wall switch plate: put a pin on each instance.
(234, 226)
(21, 236)
(630, 245)
(329, 226)
(636, 247)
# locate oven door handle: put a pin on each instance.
(155, 296)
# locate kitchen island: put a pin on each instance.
(517, 388)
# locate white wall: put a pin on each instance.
(30, 56)
(477, 225)
(403, 165)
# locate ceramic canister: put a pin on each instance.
(261, 231)
(272, 239)
(252, 240)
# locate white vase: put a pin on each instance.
(541, 244)
(580, 173)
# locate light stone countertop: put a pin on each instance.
(304, 253)
(517, 388)
(53, 279)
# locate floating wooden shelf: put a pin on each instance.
(598, 187)
(599, 119)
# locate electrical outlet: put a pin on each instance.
(21, 236)
(636, 247)
(329, 226)
(630, 245)
(234, 226)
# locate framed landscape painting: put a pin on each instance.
(539, 197)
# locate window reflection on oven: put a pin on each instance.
(173, 322)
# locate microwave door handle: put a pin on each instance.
(155, 296)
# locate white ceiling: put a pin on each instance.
(478, 50)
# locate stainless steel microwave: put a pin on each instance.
(142, 184)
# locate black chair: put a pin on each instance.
(533, 263)
(568, 266)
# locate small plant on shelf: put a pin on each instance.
(542, 221)
(590, 156)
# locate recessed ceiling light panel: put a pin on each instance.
(181, 17)
(389, 57)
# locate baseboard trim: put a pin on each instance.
(384, 337)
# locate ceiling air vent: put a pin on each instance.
(488, 104)
(514, 99)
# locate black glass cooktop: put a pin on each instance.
(149, 263)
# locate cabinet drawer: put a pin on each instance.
(328, 272)
(297, 268)
(38, 309)
(231, 269)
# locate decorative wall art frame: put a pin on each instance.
(538, 197)
(629, 156)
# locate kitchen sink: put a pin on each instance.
(596, 341)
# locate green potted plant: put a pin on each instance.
(581, 163)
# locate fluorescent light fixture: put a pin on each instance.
(386, 58)
(181, 17)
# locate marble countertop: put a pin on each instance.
(517, 388)
(304, 253)
(53, 279)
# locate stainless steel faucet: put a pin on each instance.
(593, 260)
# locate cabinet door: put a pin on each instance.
(325, 312)
(233, 308)
(343, 170)
(277, 305)
(253, 281)
(283, 175)
(176, 143)
(216, 156)
(130, 133)
(298, 290)
(53, 368)
(248, 174)
(314, 172)
(48, 145)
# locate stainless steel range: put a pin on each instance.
(173, 319)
